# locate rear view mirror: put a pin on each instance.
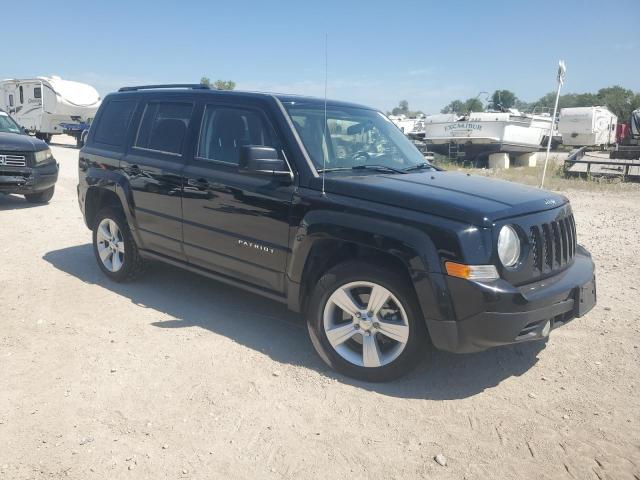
(262, 161)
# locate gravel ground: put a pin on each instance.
(178, 376)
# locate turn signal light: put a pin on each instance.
(471, 272)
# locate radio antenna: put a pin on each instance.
(324, 134)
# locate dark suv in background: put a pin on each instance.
(27, 166)
(329, 209)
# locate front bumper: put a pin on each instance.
(497, 313)
(27, 180)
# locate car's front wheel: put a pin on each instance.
(114, 247)
(365, 322)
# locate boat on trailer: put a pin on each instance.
(476, 135)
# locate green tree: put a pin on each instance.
(225, 84)
(617, 99)
(473, 105)
(503, 99)
(205, 81)
(403, 109)
(456, 106)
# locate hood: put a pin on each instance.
(17, 142)
(459, 196)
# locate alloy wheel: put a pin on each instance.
(110, 244)
(366, 324)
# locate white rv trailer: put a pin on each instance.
(48, 106)
(587, 126)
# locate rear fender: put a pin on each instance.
(107, 179)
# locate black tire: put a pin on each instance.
(398, 285)
(133, 264)
(40, 197)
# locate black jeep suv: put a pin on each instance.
(27, 166)
(328, 208)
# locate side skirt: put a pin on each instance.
(215, 276)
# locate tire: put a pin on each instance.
(114, 247)
(40, 197)
(391, 358)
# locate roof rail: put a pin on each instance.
(193, 86)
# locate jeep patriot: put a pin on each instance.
(330, 209)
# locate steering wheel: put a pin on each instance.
(361, 154)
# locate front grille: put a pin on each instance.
(553, 244)
(13, 160)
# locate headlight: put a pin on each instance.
(508, 246)
(43, 156)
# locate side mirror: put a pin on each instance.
(259, 160)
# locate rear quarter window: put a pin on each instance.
(114, 122)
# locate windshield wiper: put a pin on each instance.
(420, 166)
(383, 168)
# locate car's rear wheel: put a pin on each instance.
(41, 197)
(114, 247)
(365, 322)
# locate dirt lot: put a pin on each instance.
(176, 376)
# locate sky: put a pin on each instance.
(379, 52)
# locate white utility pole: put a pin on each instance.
(562, 70)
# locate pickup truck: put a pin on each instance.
(327, 207)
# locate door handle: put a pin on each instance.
(200, 183)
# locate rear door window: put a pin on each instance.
(164, 127)
(114, 122)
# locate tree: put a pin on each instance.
(503, 99)
(617, 99)
(455, 106)
(473, 105)
(225, 84)
(403, 109)
(469, 105)
(218, 84)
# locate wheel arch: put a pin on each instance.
(325, 239)
(106, 189)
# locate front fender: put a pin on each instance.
(413, 247)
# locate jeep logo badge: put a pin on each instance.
(3, 159)
(549, 201)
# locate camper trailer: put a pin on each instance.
(47, 106)
(587, 126)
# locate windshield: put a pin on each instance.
(356, 137)
(7, 125)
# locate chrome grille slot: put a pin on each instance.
(13, 160)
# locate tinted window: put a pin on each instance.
(21, 94)
(164, 126)
(114, 122)
(37, 92)
(225, 130)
